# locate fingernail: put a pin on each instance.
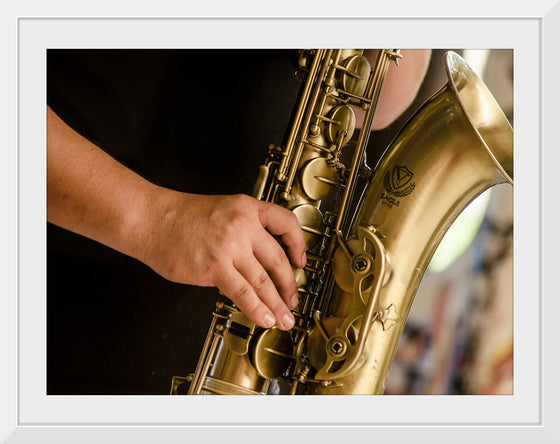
(294, 300)
(304, 259)
(288, 321)
(269, 320)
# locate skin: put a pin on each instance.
(400, 87)
(226, 242)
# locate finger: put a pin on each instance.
(256, 275)
(274, 260)
(232, 284)
(282, 222)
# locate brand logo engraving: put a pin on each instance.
(401, 176)
(399, 181)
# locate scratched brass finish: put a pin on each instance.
(362, 273)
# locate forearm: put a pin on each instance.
(222, 241)
(401, 85)
(92, 194)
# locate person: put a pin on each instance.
(97, 189)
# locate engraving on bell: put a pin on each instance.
(318, 178)
(346, 119)
(354, 79)
(311, 222)
(389, 317)
(401, 176)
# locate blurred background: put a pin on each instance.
(459, 335)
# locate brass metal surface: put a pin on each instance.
(311, 221)
(341, 125)
(272, 353)
(455, 147)
(355, 74)
(318, 178)
(362, 272)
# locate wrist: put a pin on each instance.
(138, 222)
(153, 212)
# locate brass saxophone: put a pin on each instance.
(363, 269)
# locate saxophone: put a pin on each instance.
(363, 268)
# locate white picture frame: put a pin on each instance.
(530, 415)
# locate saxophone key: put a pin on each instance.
(354, 74)
(343, 121)
(319, 178)
(272, 353)
(311, 222)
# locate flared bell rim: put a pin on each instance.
(455, 65)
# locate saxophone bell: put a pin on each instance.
(457, 145)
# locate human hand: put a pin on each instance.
(227, 242)
(222, 241)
